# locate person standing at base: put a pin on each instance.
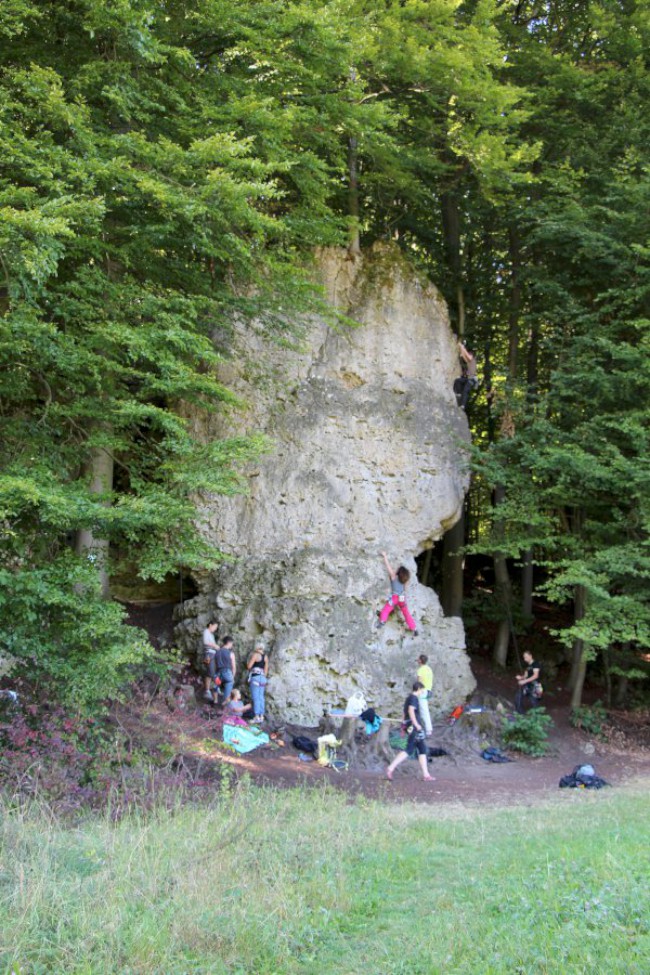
(425, 676)
(258, 672)
(529, 684)
(209, 645)
(416, 740)
(226, 667)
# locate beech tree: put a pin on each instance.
(166, 168)
(571, 302)
(127, 220)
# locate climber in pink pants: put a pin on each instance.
(398, 583)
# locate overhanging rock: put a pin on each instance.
(368, 454)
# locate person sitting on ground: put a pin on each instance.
(425, 676)
(529, 684)
(468, 380)
(235, 705)
(398, 582)
(209, 652)
(416, 740)
(258, 672)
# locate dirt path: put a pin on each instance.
(195, 737)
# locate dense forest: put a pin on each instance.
(168, 165)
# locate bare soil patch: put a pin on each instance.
(191, 741)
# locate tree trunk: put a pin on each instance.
(100, 469)
(621, 690)
(460, 310)
(532, 365)
(580, 671)
(354, 246)
(451, 229)
(578, 663)
(514, 303)
(487, 375)
(454, 539)
(501, 644)
(527, 581)
(514, 313)
(503, 588)
(370, 752)
(608, 678)
(453, 561)
(622, 680)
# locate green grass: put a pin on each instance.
(300, 882)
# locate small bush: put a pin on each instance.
(76, 763)
(57, 633)
(590, 719)
(528, 733)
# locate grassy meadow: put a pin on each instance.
(263, 882)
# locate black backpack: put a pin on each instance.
(304, 744)
(581, 779)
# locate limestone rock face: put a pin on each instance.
(367, 455)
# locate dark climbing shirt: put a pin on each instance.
(222, 659)
(258, 667)
(411, 701)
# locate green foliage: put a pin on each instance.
(590, 718)
(165, 171)
(162, 173)
(67, 642)
(563, 333)
(128, 223)
(528, 733)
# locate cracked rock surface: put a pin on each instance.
(367, 454)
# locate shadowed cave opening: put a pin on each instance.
(429, 566)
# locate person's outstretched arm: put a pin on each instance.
(389, 569)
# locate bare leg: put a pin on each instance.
(422, 759)
(393, 765)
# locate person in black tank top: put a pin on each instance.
(529, 684)
(416, 743)
(258, 669)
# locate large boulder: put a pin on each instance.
(368, 453)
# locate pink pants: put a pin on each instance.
(390, 606)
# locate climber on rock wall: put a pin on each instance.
(468, 379)
(398, 582)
